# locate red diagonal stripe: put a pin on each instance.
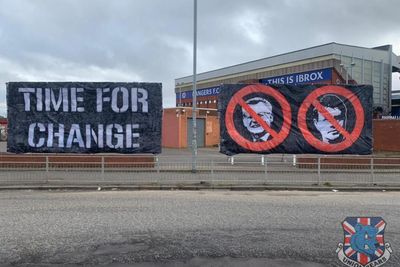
(348, 229)
(379, 224)
(257, 118)
(321, 109)
(350, 252)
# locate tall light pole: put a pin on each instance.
(347, 67)
(180, 97)
(194, 95)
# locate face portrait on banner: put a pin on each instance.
(263, 108)
(295, 119)
(337, 109)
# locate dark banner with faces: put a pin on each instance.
(84, 117)
(302, 119)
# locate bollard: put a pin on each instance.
(319, 171)
(158, 165)
(266, 171)
(47, 169)
(372, 171)
(102, 168)
(47, 164)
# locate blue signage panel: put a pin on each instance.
(212, 91)
(315, 76)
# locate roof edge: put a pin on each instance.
(383, 47)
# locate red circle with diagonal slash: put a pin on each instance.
(277, 137)
(312, 100)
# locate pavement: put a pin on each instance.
(185, 228)
(174, 169)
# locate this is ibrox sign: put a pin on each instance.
(315, 76)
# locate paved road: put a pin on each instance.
(181, 228)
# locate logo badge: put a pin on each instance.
(364, 244)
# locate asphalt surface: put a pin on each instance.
(185, 228)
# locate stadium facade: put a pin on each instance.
(330, 63)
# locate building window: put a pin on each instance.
(215, 101)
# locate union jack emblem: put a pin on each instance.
(364, 242)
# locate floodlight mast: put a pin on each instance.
(347, 67)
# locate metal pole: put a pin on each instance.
(194, 140)
(158, 165)
(351, 72)
(372, 171)
(180, 97)
(47, 164)
(362, 71)
(390, 76)
(319, 170)
(102, 168)
(265, 171)
(381, 86)
(47, 169)
(352, 64)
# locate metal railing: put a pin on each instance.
(211, 170)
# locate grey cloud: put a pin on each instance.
(152, 40)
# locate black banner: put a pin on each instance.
(84, 117)
(318, 119)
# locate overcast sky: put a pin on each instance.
(151, 40)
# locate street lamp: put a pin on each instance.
(347, 67)
(194, 96)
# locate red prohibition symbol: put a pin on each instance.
(277, 137)
(312, 100)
